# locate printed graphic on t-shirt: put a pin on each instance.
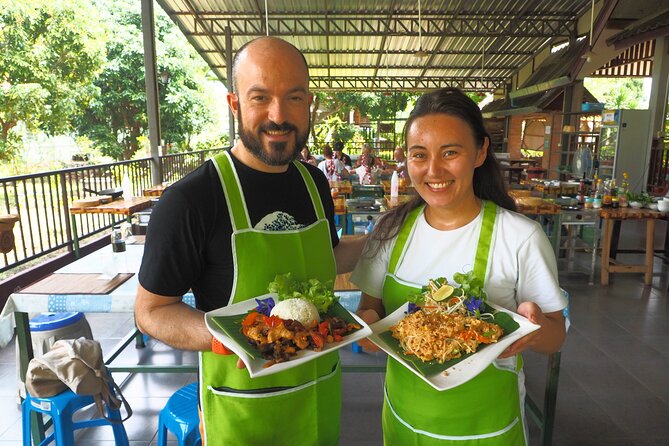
(278, 221)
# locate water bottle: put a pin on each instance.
(394, 185)
(126, 185)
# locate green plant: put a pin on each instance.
(642, 197)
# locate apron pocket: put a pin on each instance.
(311, 412)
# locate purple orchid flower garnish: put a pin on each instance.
(473, 304)
(412, 308)
(265, 306)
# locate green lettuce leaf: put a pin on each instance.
(313, 290)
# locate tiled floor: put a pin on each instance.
(613, 390)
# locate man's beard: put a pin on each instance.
(276, 154)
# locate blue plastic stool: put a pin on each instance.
(61, 408)
(180, 417)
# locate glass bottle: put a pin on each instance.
(615, 200)
(606, 196)
(117, 240)
(624, 190)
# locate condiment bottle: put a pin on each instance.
(117, 241)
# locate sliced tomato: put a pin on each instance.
(319, 340)
(272, 321)
(250, 319)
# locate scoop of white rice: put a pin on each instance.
(296, 309)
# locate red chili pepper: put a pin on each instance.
(338, 338)
(324, 328)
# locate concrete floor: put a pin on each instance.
(613, 388)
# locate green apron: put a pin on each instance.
(486, 410)
(300, 406)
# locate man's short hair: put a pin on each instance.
(338, 146)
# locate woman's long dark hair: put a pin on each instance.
(488, 180)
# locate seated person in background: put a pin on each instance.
(333, 169)
(307, 157)
(340, 155)
(401, 166)
(369, 173)
(367, 153)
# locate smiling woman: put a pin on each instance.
(461, 220)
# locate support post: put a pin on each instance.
(151, 85)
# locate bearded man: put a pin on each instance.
(225, 231)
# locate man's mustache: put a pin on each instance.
(271, 126)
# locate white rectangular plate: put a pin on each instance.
(466, 369)
(255, 366)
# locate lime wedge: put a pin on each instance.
(443, 293)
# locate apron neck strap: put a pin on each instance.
(232, 188)
(239, 214)
(485, 239)
(482, 249)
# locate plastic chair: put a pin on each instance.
(180, 417)
(61, 409)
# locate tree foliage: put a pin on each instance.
(626, 93)
(116, 120)
(329, 107)
(49, 54)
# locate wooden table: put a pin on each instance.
(344, 186)
(116, 207)
(610, 265)
(393, 202)
(155, 191)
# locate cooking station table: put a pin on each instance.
(610, 265)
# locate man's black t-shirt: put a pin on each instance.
(188, 243)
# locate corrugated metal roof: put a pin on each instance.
(371, 45)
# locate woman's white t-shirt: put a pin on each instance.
(521, 263)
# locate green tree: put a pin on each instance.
(116, 120)
(374, 106)
(626, 93)
(49, 54)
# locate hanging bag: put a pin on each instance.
(76, 364)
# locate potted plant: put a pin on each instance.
(638, 200)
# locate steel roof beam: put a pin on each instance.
(495, 25)
(406, 67)
(407, 51)
(385, 83)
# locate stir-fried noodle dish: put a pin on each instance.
(446, 325)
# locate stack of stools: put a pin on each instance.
(180, 417)
(47, 328)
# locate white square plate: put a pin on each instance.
(255, 366)
(464, 370)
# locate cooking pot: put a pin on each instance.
(114, 193)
